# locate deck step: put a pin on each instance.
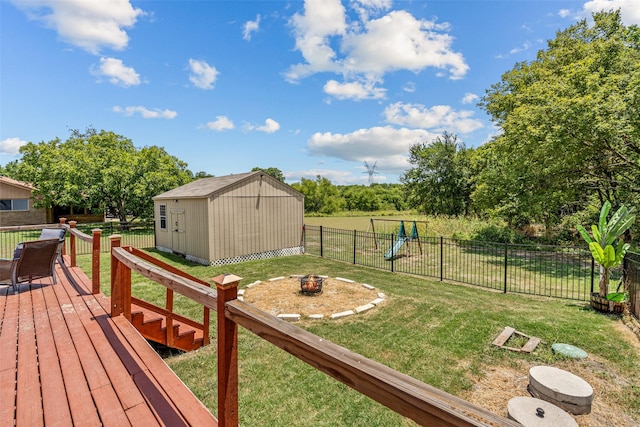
(153, 328)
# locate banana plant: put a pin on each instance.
(606, 244)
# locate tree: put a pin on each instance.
(99, 170)
(570, 124)
(274, 172)
(607, 246)
(320, 196)
(202, 174)
(439, 181)
(360, 198)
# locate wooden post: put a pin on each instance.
(227, 287)
(169, 338)
(64, 245)
(72, 242)
(95, 261)
(120, 283)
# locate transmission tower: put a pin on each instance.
(371, 170)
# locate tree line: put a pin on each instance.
(569, 141)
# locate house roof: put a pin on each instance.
(205, 187)
(16, 183)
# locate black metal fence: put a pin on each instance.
(139, 235)
(555, 271)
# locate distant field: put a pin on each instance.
(435, 225)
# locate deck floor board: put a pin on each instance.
(64, 361)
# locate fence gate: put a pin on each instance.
(632, 272)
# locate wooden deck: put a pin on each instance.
(64, 361)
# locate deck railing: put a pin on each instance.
(405, 395)
(94, 241)
(121, 298)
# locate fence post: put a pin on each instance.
(304, 238)
(506, 261)
(120, 283)
(227, 287)
(393, 256)
(593, 270)
(72, 243)
(95, 261)
(64, 245)
(354, 246)
(321, 249)
(441, 258)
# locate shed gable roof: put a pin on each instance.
(206, 187)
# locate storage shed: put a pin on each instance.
(230, 219)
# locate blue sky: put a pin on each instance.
(311, 88)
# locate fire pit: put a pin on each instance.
(311, 284)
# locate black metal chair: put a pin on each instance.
(36, 260)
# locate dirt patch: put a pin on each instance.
(283, 296)
(501, 383)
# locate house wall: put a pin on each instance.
(255, 216)
(31, 216)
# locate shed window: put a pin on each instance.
(163, 217)
(14, 205)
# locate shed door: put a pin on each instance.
(178, 235)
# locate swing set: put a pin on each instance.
(401, 237)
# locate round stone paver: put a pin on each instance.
(569, 350)
(532, 412)
(561, 388)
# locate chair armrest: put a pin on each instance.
(5, 270)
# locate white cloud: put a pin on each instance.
(221, 123)
(469, 98)
(321, 20)
(116, 72)
(564, 13)
(388, 146)
(629, 9)
(90, 25)
(370, 48)
(202, 75)
(11, 146)
(366, 8)
(270, 126)
(250, 27)
(438, 118)
(409, 87)
(354, 90)
(525, 46)
(156, 113)
(399, 41)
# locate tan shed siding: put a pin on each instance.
(195, 226)
(254, 217)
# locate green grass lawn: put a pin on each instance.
(439, 333)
